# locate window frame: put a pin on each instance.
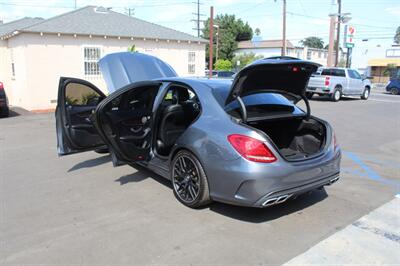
(96, 74)
(191, 62)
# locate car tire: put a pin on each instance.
(337, 94)
(365, 94)
(189, 181)
(394, 91)
(5, 113)
(309, 95)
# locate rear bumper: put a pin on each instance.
(320, 90)
(253, 184)
(278, 197)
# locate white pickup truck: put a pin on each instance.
(337, 82)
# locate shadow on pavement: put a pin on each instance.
(17, 111)
(246, 214)
(142, 174)
(260, 215)
(91, 163)
(328, 99)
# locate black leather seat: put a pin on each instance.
(171, 127)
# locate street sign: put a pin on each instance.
(349, 36)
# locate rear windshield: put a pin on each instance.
(259, 104)
(333, 72)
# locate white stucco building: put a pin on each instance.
(34, 52)
(268, 48)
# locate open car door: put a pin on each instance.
(77, 100)
(125, 121)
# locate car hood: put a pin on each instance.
(277, 75)
(121, 69)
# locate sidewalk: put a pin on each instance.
(373, 239)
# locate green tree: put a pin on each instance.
(223, 64)
(132, 48)
(397, 36)
(244, 59)
(390, 70)
(257, 31)
(342, 63)
(231, 31)
(313, 42)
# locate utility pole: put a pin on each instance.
(331, 47)
(197, 20)
(338, 32)
(284, 29)
(210, 66)
(216, 48)
(75, 4)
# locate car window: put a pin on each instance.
(333, 72)
(80, 94)
(353, 74)
(264, 104)
(357, 75)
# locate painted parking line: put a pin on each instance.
(373, 239)
(369, 172)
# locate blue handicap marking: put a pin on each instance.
(368, 172)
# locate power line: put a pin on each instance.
(197, 20)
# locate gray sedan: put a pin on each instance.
(245, 142)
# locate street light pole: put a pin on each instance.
(210, 66)
(216, 48)
(338, 32)
(284, 29)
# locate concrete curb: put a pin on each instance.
(373, 239)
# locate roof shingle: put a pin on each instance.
(10, 27)
(92, 20)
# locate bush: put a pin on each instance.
(245, 59)
(222, 64)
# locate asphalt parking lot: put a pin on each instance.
(78, 209)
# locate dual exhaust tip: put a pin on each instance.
(283, 198)
(276, 200)
(333, 180)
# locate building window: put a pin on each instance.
(393, 53)
(12, 64)
(91, 57)
(309, 54)
(192, 62)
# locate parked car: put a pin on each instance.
(393, 86)
(4, 108)
(338, 82)
(220, 74)
(245, 142)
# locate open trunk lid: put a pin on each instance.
(121, 69)
(276, 75)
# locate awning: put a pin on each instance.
(382, 62)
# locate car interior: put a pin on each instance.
(179, 108)
(80, 102)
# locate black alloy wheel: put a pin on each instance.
(189, 180)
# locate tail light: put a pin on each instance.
(251, 149)
(327, 81)
(1, 86)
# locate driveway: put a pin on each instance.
(78, 209)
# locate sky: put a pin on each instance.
(375, 20)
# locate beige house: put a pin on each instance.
(35, 52)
